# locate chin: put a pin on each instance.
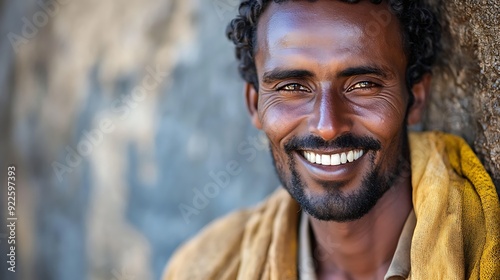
(353, 195)
(337, 201)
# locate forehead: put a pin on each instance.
(328, 30)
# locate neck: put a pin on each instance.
(363, 248)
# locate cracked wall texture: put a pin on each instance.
(466, 99)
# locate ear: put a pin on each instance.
(252, 100)
(421, 92)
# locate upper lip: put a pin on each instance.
(330, 152)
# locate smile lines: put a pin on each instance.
(335, 159)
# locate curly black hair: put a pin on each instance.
(421, 36)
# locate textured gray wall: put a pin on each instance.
(466, 97)
(154, 142)
(112, 210)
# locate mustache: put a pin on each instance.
(345, 141)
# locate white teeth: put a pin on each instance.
(325, 159)
(343, 158)
(335, 159)
(350, 156)
(358, 154)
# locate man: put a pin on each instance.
(334, 84)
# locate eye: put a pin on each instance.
(365, 85)
(294, 88)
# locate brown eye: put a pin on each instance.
(294, 87)
(362, 86)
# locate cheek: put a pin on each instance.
(280, 117)
(383, 115)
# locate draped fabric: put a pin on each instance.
(457, 234)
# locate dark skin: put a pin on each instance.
(321, 74)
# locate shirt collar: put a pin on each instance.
(400, 266)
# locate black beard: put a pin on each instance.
(335, 205)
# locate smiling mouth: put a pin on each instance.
(333, 159)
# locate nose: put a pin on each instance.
(330, 118)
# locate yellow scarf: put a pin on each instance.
(457, 235)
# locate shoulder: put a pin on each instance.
(215, 252)
(464, 206)
(215, 245)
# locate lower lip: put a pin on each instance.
(340, 172)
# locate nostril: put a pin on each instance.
(330, 118)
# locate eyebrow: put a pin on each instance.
(363, 70)
(280, 74)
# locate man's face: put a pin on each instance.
(332, 100)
